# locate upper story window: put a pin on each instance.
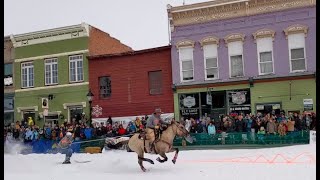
(296, 42)
(235, 51)
(264, 40)
(51, 71)
(186, 60)
(27, 75)
(155, 82)
(8, 69)
(76, 68)
(104, 86)
(210, 53)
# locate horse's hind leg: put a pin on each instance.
(175, 156)
(141, 159)
(140, 162)
(162, 160)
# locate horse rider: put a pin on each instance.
(154, 123)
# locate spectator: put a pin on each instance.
(88, 132)
(282, 128)
(211, 129)
(261, 133)
(271, 127)
(239, 124)
(121, 130)
(290, 125)
(109, 120)
(131, 128)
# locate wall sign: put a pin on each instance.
(308, 104)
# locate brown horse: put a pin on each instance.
(162, 146)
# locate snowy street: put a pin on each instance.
(292, 162)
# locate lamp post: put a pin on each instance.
(90, 97)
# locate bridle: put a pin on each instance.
(185, 134)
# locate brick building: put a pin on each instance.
(132, 84)
(51, 71)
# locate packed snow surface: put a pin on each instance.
(291, 162)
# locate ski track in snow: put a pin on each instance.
(193, 165)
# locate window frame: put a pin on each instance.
(160, 92)
(76, 69)
(27, 66)
(229, 57)
(259, 57)
(304, 51)
(205, 61)
(100, 95)
(51, 74)
(180, 63)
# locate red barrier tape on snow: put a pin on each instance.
(302, 158)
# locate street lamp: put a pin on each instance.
(90, 97)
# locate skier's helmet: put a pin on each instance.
(68, 134)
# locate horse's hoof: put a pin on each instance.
(144, 169)
(173, 161)
(151, 162)
(158, 159)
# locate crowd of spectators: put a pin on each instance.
(260, 123)
(82, 130)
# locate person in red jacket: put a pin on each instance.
(121, 130)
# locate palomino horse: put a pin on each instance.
(162, 146)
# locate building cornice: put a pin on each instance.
(226, 9)
(56, 34)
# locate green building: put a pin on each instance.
(51, 71)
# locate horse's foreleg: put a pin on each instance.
(141, 165)
(162, 160)
(175, 156)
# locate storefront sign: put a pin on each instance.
(189, 101)
(209, 99)
(8, 81)
(240, 108)
(308, 104)
(189, 111)
(238, 97)
(276, 106)
(260, 107)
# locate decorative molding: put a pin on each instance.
(295, 29)
(19, 109)
(224, 9)
(209, 40)
(185, 43)
(262, 33)
(234, 37)
(52, 55)
(52, 87)
(66, 105)
(50, 35)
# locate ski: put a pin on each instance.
(81, 161)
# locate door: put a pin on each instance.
(75, 113)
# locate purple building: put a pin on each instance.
(243, 56)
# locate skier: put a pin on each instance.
(65, 147)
